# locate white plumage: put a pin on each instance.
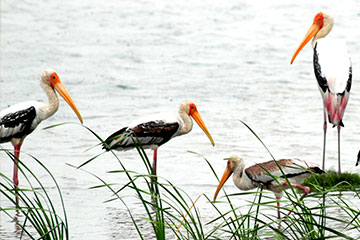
(19, 120)
(335, 62)
(333, 71)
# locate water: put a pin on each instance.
(121, 60)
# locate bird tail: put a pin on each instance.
(317, 170)
(119, 140)
(358, 159)
(106, 145)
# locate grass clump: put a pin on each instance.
(36, 206)
(333, 181)
(310, 218)
(168, 209)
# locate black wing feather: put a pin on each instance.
(149, 133)
(24, 118)
(317, 69)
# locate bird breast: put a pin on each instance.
(334, 63)
(243, 182)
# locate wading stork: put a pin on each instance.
(267, 174)
(332, 67)
(19, 120)
(154, 130)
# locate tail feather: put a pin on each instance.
(358, 159)
(317, 170)
(114, 139)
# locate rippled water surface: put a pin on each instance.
(123, 59)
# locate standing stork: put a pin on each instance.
(332, 67)
(154, 130)
(19, 120)
(269, 175)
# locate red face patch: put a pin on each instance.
(192, 109)
(319, 19)
(54, 78)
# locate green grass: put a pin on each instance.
(309, 219)
(36, 207)
(312, 218)
(331, 180)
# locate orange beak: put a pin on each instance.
(59, 87)
(196, 116)
(314, 29)
(227, 173)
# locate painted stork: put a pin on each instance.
(155, 130)
(333, 71)
(269, 175)
(19, 120)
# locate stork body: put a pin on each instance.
(333, 71)
(154, 130)
(19, 120)
(151, 131)
(268, 175)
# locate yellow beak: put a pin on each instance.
(314, 29)
(59, 87)
(227, 173)
(196, 116)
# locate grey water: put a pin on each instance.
(123, 59)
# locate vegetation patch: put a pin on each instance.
(333, 181)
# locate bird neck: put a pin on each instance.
(187, 123)
(241, 180)
(47, 110)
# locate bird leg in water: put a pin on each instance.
(325, 128)
(338, 128)
(278, 205)
(305, 188)
(153, 180)
(15, 174)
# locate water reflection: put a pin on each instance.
(17, 224)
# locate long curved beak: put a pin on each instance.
(59, 87)
(313, 30)
(196, 116)
(227, 173)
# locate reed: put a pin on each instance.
(310, 218)
(168, 209)
(36, 206)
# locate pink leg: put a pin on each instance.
(154, 161)
(339, 169)
(278, 205)
(15, 174)
(154, 179)
(305, 188)
(324, 145)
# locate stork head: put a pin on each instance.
(321, 26)
(233, 162)
(190, 109)
(50, 78)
